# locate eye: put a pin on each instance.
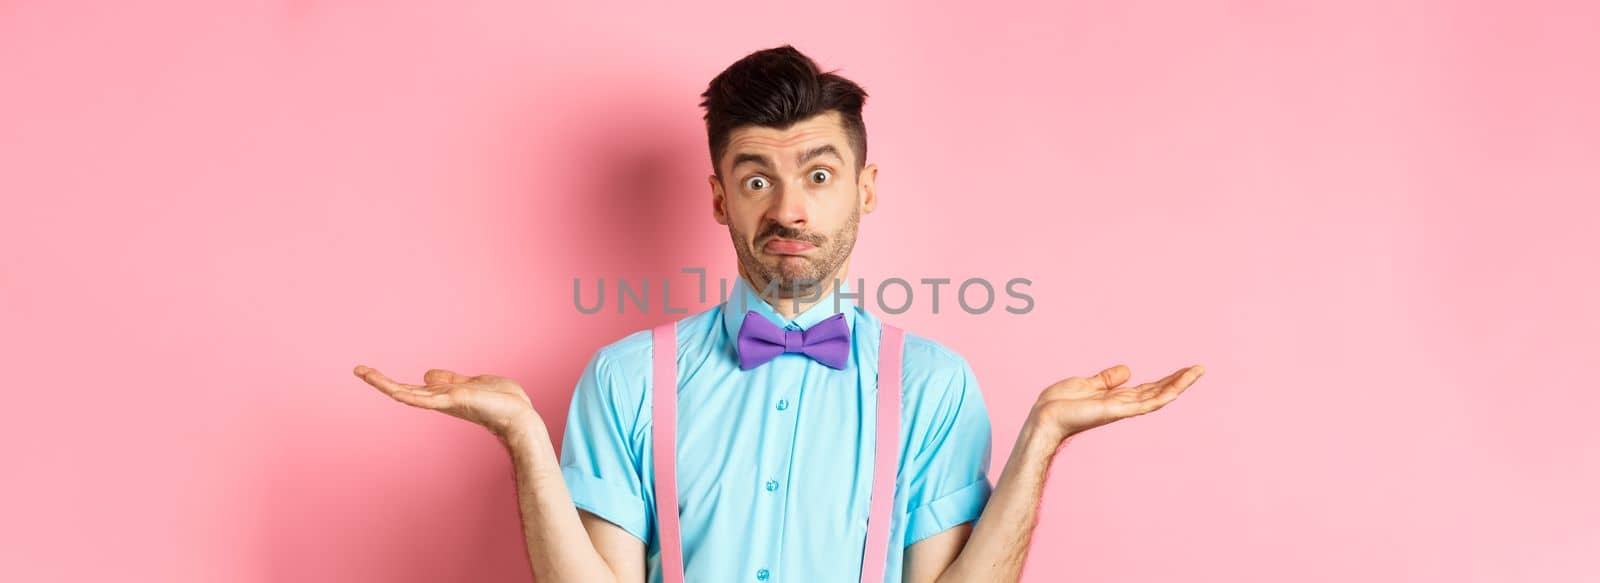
(820, 175)
(757, 182)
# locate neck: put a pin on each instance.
(790, 307)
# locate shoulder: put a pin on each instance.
(922, 358)
(612, 386)
(936, 380)
(931, 353)
(627, 361)
(941, 395)
(624, 354)
(931, 360)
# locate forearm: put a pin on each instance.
(558, 546)
(998, 545)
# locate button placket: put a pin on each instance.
(792, 371)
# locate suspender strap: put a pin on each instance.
(887, 458)
(664, 432)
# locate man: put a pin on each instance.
(775, 455)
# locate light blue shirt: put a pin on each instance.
(775, 463)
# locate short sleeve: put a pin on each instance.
(600, 461)
(950, 469)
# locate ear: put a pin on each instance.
(719, 212)
(868, 184)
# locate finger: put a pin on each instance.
(1170, 390)
(1110, 377)
(1149, 390)
(439, 376)
(1130, 405)
(383, 383)
(424, 399)
(1076, 387)
(1184, 382)
(490, 379)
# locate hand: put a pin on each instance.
(495, 402)
(1076, 404)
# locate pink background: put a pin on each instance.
(1373, 222)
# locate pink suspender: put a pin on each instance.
(664, 432)
(872, 564)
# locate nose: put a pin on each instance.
(790, 206)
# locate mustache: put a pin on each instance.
(777, 230)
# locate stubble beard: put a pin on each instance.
(796, 276)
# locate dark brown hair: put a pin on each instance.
(776, 88)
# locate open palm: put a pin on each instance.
(1076, 404)
(495, 402)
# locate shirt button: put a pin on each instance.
(772, 485)
(762, 575)
(783, 404)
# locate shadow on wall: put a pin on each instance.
(629, 200)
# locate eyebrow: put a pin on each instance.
(808, 155)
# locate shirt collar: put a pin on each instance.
(746, 298)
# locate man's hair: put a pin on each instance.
(776, 88)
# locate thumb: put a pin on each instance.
(439, 376)
(1110, 378)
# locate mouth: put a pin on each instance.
(781, 246)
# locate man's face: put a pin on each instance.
(792, 202)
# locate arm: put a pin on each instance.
(563, 543)
(995, 549)
(557, 540)
(998, 544)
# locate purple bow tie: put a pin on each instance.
(827, 342)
